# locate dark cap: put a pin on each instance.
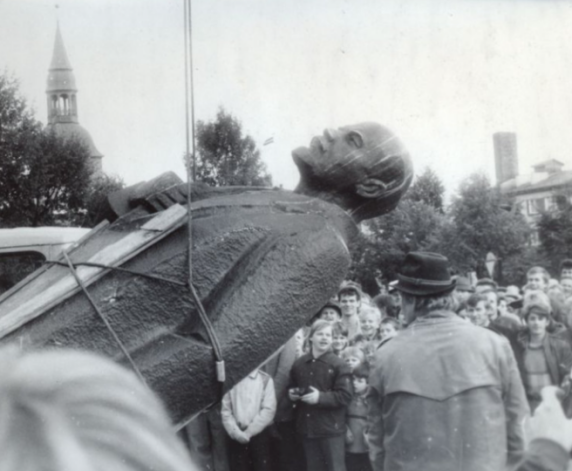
(332, 304)
(425, 274)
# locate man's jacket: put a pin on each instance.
(445, 395)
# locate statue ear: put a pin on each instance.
(371, 188)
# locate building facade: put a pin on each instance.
(547, 188)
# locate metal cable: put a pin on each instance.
(102, 317)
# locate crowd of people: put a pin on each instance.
(436, 375)
(312, 405)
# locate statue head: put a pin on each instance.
(364, 168)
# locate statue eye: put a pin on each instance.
(355, 139)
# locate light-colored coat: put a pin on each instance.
(445, 395)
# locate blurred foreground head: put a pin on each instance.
(73, 411)
(364, 168)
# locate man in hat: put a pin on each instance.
(445, 395)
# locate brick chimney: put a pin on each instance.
(506, 158)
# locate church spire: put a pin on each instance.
(62, 103)
(61, 90)
(60, 57)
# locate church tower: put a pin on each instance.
(62, 102)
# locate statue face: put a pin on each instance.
(363, 168)
(345, 156)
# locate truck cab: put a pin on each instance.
(24, 249)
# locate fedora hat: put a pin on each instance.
(425, 274)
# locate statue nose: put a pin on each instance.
(330, 134)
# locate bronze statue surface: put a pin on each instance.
(264, 261)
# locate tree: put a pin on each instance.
(227, 158)
(483, 225)
(413, 225)
(43, 177)
(429, 189)
(555, 234)
(96, 206)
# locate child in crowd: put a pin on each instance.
(353, 357)
(339, 338)
(247, 410)
(320, 386)
(566, 283)
(358, 341)
(389, 328)
(370, 321)
(477, 309)
(357, 458)
(331, 312)
(537, 279)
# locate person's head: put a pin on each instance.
(463, 289)
(67, 410)
(331, 312)
(360, 378)
(502, 306)
(320, 336)
(485, 284)
(364, 168)
(537, 278)
(359, 341)
(477, 309)
(389, 328)
(566, 283)
(492, 303)
(512, 293)
(353, 356)
(566, 268)
(350, 300)
(425, 285)
(536, 313)
(339, 337)
(370, 320)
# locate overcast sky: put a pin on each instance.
(444, 75)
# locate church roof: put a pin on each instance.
(60, 76)
(69, 130)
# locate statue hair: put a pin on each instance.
(74, 411)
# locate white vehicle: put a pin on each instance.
(24, 249)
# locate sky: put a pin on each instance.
(443, 75)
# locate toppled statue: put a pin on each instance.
(264, 261)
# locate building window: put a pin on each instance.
(536, 206)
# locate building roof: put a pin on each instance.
(548, 163)
(69, 129)
(60, 76)
(552, 181)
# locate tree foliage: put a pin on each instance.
(43, 177)
(475, 223)
(429, 189)
(227, 158)
(412, 226)
(483, 225)
(555, 234)
(96, 206)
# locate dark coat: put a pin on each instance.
(329, 375)
(445, 395)
(556, 351)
